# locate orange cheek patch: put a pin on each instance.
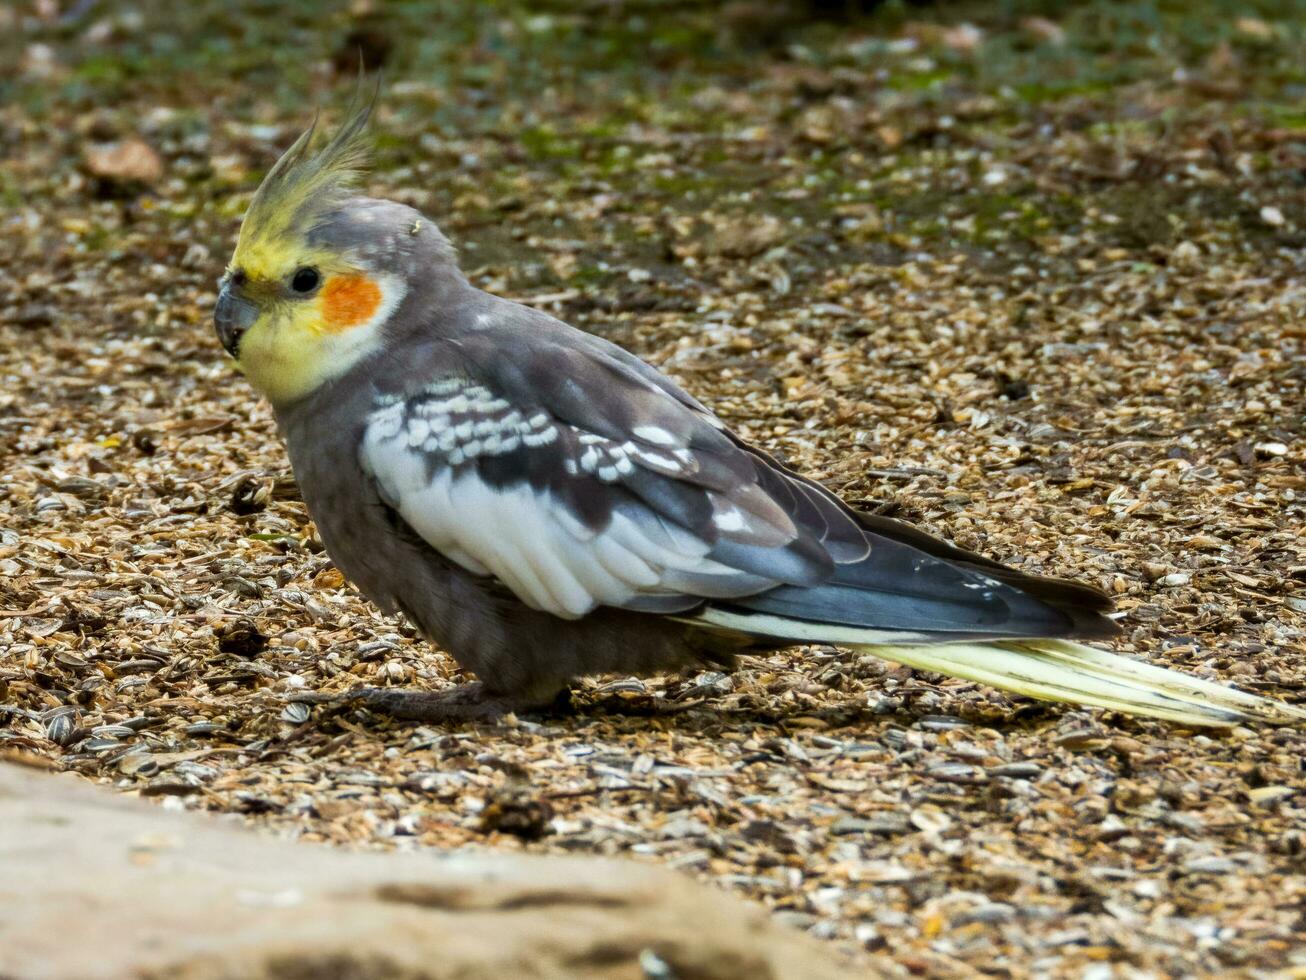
(348, 301)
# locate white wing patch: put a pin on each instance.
(419, 450)
(655, 434)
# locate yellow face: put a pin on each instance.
(295, 317)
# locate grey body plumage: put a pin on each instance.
(544, 505)
(458, 360)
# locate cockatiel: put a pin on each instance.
(544, 505)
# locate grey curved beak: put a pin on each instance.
(233, 315)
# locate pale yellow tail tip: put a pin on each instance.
(1059, 670)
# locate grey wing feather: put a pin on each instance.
(570, 518)
(580, 476)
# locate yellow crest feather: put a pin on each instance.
(303, 185)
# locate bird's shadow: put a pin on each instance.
(709, 715)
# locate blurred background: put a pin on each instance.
(884, 127)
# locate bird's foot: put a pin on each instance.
(466, 702)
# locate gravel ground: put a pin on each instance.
(1032, 283)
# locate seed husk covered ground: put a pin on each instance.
(1031, 279)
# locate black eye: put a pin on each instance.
(305, 280)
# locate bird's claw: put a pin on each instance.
(466, 702)
(320, 697)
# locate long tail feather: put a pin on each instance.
(1053, 670)
(1059, 670)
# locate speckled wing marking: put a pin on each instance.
(570, 519)
(454, 422)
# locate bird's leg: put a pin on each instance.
(466, 702)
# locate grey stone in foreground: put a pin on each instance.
(95, 885)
